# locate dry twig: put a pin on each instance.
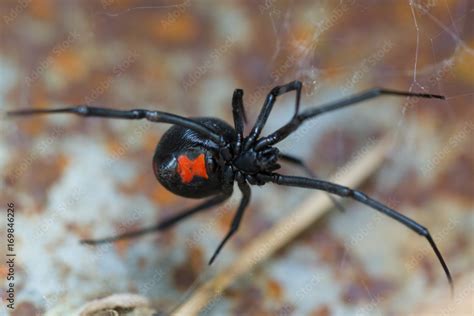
(283, 232)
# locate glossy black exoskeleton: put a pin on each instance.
(184, 152)
(203, 157)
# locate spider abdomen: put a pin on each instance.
(185, 162)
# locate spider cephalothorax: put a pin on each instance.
(193, 167)
(254, 161)
(203, 157)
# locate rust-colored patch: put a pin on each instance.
(70, 65)
(428, 268)
(274, 289)
(150, 141)
(188, 168)
(121, 246)
(32, 127)
(182, 29)
(457, 178)
(142, 263)
(286, 309)
(163, 197)
(63, 162)
(225, 220)
(328, 153)
(464, 63)
(44, 10)
(250, 303)
(3, 271)
(186, 273)
(34, 174)
(26, 308)
(366, 289)
(114, 147)
(196, 258)
(321, 311)
(183, 276)
(330, 249)
(303, 35)
(144, 183)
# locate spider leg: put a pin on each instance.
(163, 224)
(136, 114)
(364, 199)
(297, 120)
(268, 105)
(300, 163)
(245, 189)
(238, 112)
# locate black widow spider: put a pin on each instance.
(202, 157)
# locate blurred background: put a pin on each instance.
(72, 178)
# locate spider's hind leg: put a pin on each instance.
(164, 224)
(364, 199)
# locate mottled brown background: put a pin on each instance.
(72, 178)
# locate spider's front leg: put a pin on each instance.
(136, 114)
(299, 119)
(238, 112)
(267, 108)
